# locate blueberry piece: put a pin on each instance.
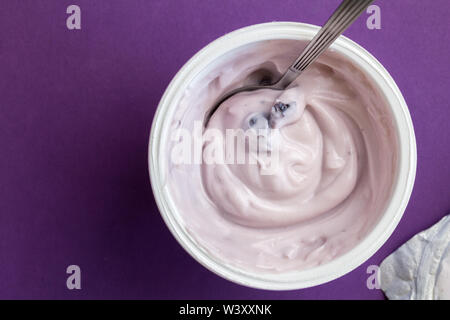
(258, 121)
(281, 107)
(282, 114)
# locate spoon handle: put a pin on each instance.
(340, 20)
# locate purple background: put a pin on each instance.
(75, 114)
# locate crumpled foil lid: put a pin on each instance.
(420, 269)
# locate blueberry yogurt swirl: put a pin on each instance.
(336, 163)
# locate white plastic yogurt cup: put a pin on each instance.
(403, 182)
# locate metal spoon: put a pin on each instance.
(340, 20)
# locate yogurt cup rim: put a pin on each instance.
(407, 160)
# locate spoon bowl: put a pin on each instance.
(340, 20)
